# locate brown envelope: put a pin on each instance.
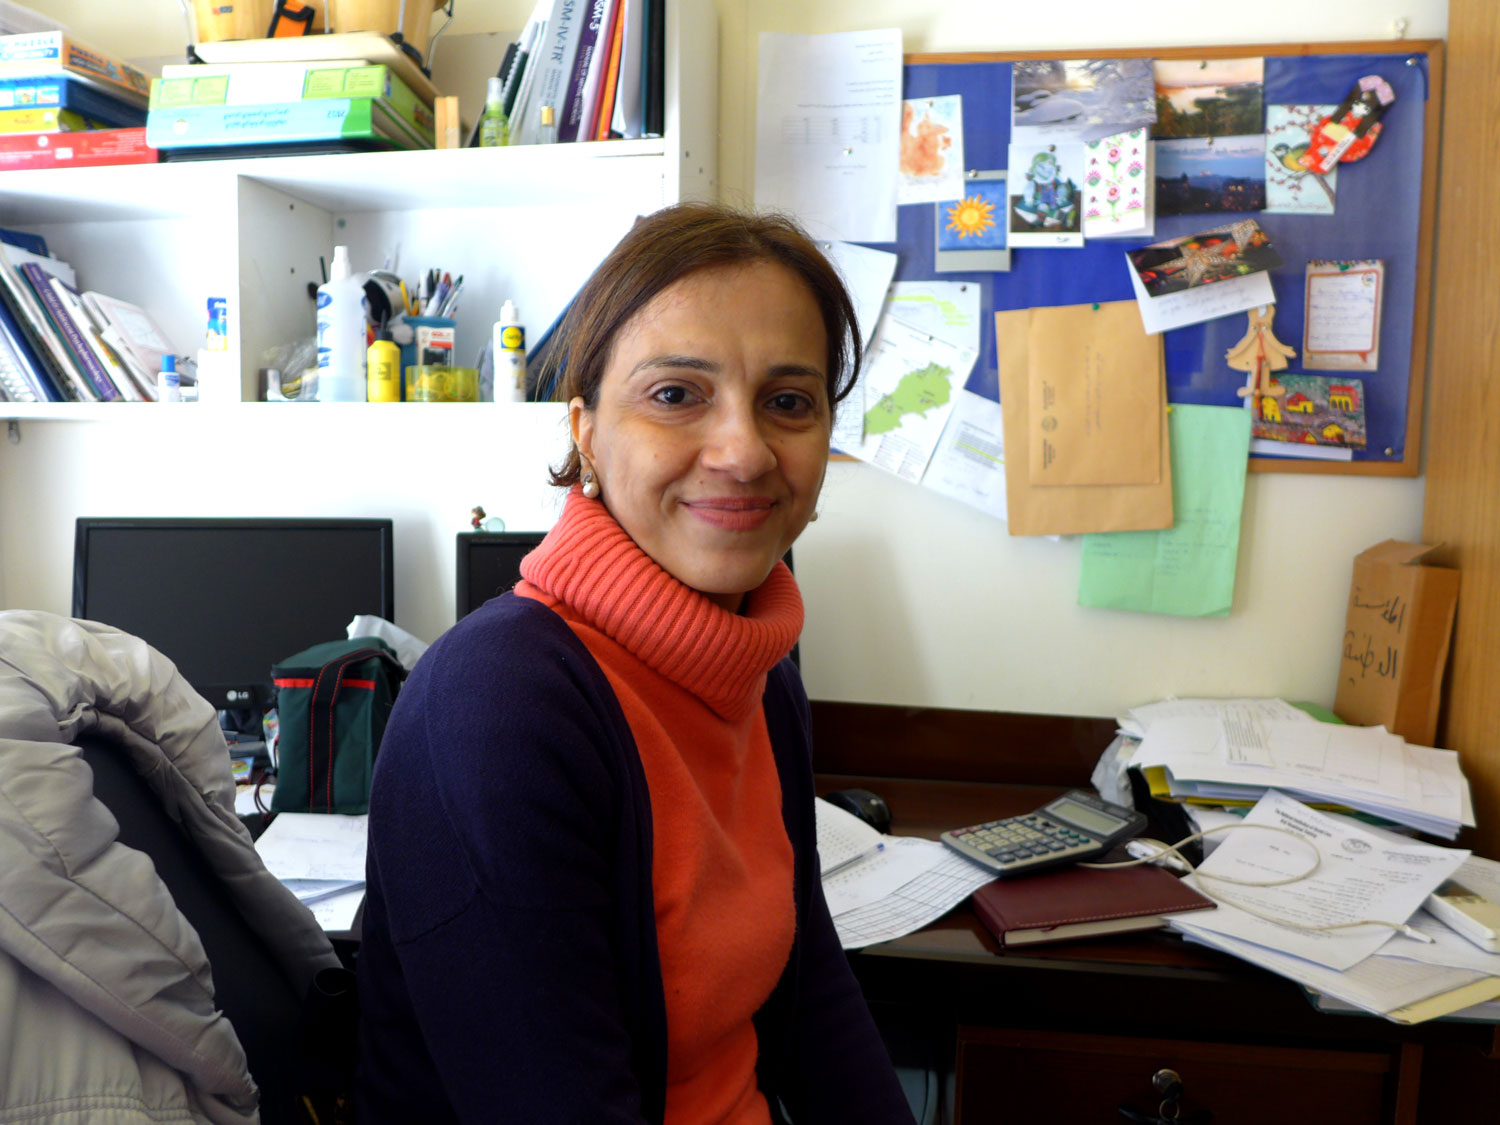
(1094, 399)
(1065, 509)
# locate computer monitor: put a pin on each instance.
(225, 599)
(489, 563)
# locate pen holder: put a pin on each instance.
(431, 344)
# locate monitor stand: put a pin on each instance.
(244, 733)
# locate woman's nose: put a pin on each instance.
(735, 444)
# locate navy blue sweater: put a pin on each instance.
(508, 969)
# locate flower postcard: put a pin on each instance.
(1118, 186)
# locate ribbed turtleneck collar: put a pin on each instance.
(593, 567)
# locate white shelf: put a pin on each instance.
(195, 413)
(340, 182)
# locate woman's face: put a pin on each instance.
(710, 436)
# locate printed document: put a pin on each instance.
(1360, 875)
(828, 131)
(969, 462)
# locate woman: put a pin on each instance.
(593, 887)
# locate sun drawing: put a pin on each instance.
(971, 216)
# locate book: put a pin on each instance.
(606, 110)
(44, 119)
(258, 84)
(25, 240)
(16, 379)
(82, 356)
(42, 53)
(131, 332)
(89, 333)
(1076, 902)
(597, 19)
(48, 352)
(65, 91)
(593, 83)
(627, 112)
(551, 67)
(330, 119)
(88, 149)
(347, 46)
(653, 72)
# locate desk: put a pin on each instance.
(1067, 1032)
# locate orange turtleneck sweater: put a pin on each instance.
(689, 677)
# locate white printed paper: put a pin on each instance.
(1359, 876)
(969, 462)
(867, 275)
(828, 125)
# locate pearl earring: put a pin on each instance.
(590, 485)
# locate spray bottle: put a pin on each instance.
(494, 129)
(341, 333)
(510, 355)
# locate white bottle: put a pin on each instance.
(510, 355)
(168, 382)
(341, 333)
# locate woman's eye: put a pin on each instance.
(671, 396)
(791, 402)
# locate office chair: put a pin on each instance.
(296, 1046)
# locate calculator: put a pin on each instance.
(1078, 825)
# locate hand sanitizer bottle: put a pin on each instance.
(168, 382)
(494, 130)
(341, 333)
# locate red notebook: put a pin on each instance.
(1073, 902)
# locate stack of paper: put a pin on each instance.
(882, 887)
(1233, 751)
(1324, 912)
(319, 857)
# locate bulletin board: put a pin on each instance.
(1384, 211)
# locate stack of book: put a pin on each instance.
(62, 103)
(593, 69)
(60, 345)
(270, 107)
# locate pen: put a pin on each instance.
(406, 300)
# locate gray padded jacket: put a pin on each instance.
(106, 999)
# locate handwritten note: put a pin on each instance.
(1188, 569)
(1343, 315)
(1202, 302)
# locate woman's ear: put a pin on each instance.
(581, 424)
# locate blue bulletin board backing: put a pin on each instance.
(1384, 211)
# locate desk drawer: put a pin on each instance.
(1008, 1076)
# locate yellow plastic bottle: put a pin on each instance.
(383, 368)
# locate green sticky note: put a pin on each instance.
(1187, 569)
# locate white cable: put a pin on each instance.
(1172, 849)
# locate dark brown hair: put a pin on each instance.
(663, 248)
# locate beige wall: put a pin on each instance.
(916, 599)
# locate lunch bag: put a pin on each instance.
(332, 703)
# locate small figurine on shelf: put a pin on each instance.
(476, 518)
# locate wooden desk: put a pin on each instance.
(1067, 1032)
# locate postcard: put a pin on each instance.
(1211, 174)
(1290, 188)
(1044, 183)
(1079, 99)
(1206, 258)
(1119, 189)
(911, 378)
(1208, 97)
(1202, 302)
(1315, 410)
(969, 233)
(1342, 325)
(1094, 396)
(932, 150)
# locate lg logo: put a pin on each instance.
(238, 696)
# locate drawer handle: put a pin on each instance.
(1167, 1083)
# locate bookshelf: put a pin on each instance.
(524, 223)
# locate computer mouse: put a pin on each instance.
(869, 807)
